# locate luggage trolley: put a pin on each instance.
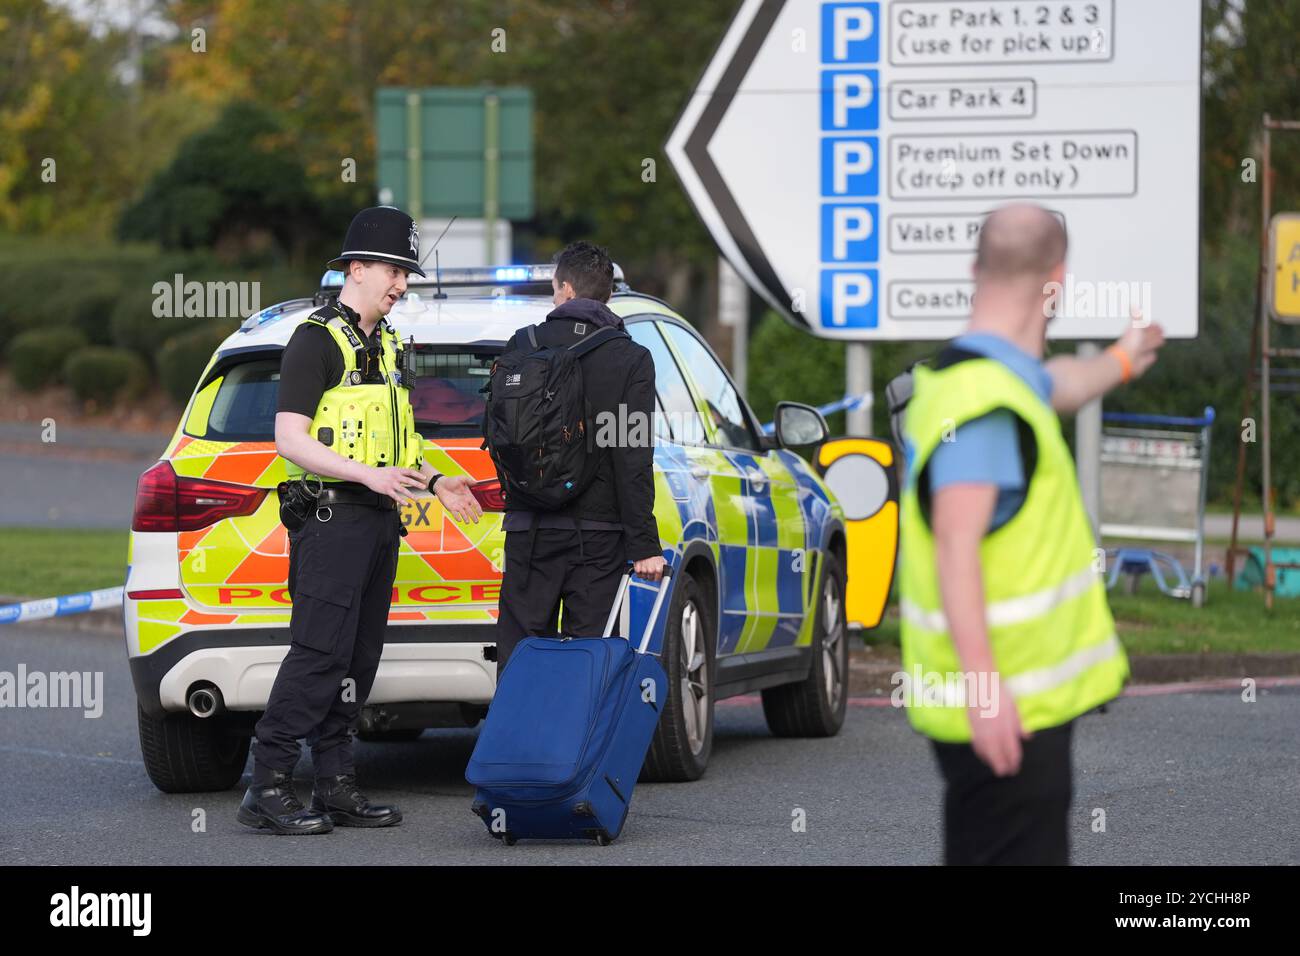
(1154, 472)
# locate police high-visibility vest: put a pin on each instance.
(367, 416)
(1050, 629)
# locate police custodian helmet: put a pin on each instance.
(382, 234)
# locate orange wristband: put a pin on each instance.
(1125, 365)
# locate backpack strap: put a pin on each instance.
(898, 392)
(596, 340)
(953, 354)
(532, 336)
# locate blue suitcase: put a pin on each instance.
(567, 732)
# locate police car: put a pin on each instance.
(757, 541)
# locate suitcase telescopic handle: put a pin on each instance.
(654, 611)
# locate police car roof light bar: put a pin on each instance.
(480, 276)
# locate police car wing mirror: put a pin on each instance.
(799, 425)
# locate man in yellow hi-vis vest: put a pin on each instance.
(1006, 633)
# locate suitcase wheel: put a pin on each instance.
(603, 839)
(508, 838)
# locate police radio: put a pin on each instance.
(406, 364)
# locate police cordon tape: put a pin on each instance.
(60, 606)
(847, 403)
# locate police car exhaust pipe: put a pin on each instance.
(206, 701)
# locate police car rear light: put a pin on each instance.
(160, 594)
(488, 494)
(164, 502)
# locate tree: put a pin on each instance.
(231, 187)
(60, 155)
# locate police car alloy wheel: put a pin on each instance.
(683, 740)
(832, 639)
(695, 677)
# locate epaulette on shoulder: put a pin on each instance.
(324, 314)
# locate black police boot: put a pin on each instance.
(349, 807)
(275, 806)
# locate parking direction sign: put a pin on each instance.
(844, 156)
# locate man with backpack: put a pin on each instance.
(577, 509)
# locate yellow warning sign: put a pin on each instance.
(864, 477)
(1285, 241)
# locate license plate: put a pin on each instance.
(422, 514)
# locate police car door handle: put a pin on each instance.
(757, 480)
(699, 472)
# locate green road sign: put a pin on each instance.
(455, 151)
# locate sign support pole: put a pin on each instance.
(733, 312)
(1265, 387)
(857, 381)
(1262, 347)
(491, 173)
(414, 163)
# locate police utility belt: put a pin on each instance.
(298, 499)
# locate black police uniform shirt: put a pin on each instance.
(312, 364)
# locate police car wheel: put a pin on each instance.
(815, 706)
(187, 754)
(684, 738)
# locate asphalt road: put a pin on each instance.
(1193, 778)
(84, 479)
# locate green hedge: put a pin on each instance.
(104, 374)
(184, 357)
(37, 355)
(105, 293)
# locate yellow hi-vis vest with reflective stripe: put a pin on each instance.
(1049, 626)
(367, 416)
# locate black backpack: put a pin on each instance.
(537, 425)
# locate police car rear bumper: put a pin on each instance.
(452, 662)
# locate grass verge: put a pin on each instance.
(47, 562)
(1231, 622)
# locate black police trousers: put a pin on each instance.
(1020, 820)
(341, 575)
(580, 569)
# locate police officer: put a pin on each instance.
(1006, 633)
(345, 426)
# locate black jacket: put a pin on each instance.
(617, 373)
